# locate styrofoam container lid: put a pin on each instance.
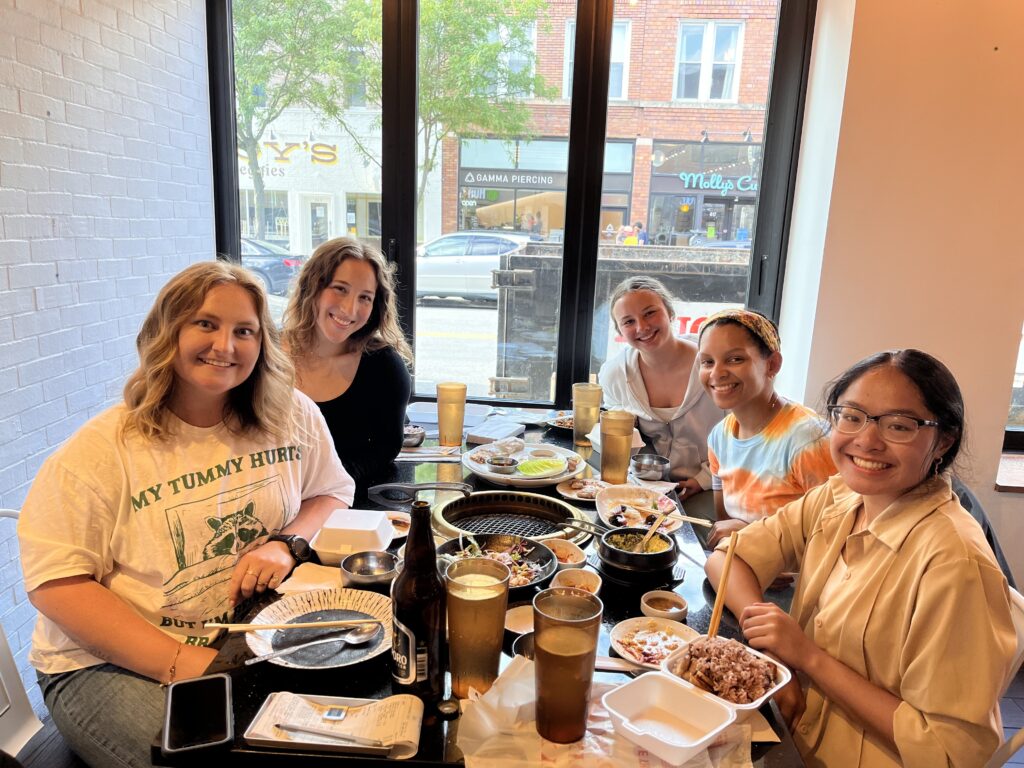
(668, 718)
(354, 530)
(782, 676)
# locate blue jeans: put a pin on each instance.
(108, 715)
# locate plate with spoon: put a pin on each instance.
(327, 647)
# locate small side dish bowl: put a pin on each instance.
(519, 619)
(503, 465)
(569, 555)
(578, 578)
(413, 436)
(370, 569)
(650, 466)
(662, 604)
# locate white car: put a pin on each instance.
(460, 264)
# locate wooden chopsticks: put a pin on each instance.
(650, 532)
(716, 614)
(691, 520)
(296, 625)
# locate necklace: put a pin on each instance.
(773, 403)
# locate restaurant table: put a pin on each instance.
(372, 678)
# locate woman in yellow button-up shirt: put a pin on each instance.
(900, 628)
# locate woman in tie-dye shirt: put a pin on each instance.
(767, 451)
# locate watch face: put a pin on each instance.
(300, 549)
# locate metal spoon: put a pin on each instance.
(355, 636)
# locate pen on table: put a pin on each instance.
(329, 734)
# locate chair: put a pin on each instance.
(18, 723)
(1009, 748)
(971, 503)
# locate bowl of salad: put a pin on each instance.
(532, 564)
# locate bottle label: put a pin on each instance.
(405, 660)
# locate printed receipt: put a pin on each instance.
(395, 721)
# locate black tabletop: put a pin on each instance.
(372, 679)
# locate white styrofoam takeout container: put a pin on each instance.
(666, 716)
(782, 676)
(348, 531)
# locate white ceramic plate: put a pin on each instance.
(566, 491)
(644, 500)
(321, 605)
(519, 619)
(400, 524)
(661, 636)
(553, 422)
(518, 481)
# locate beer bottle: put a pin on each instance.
(418, 613)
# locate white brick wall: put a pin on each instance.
(105, 191)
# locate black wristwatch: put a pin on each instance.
(297, 545)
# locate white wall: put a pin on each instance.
(914, 219)
(105, 192)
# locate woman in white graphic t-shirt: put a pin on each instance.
(158, 515)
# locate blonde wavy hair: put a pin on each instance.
(382, 328)
(641, 283)
(262, 403)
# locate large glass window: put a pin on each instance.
(1015, 421)
(708, 59)
(694, 191)
(481, 217)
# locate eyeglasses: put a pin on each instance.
(893, 427)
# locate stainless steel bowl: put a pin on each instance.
(413, 436)
(503, 465)
(369, 569)
(650, 466)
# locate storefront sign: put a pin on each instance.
(274, 154)
(482, 177)
(725, 185)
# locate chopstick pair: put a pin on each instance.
(716, 613)
(296, 625)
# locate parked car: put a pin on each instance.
(273, 265)
(460, 264)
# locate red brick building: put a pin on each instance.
(687, 94)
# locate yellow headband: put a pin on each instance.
(757, 324)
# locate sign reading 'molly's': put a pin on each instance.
(487, 177)
(715, 181)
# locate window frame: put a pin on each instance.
(588, 109)
(707, 61)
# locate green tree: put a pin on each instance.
(287, 53)
(476, 60)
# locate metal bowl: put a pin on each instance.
(413, 436)
(650, 466)
(503, 465)
(370, 569)
(538, 554)
(637, 562)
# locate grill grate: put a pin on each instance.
(508, 522)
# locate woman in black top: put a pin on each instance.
(351, 358)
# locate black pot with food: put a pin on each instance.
(616, 550)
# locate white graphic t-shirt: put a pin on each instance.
(163, 523)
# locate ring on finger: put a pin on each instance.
(261, 583)
(250, 572)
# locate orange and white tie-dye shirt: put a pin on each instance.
(774, 467)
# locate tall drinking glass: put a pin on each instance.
(616, 443)
(451, 412)
(586, 407)
(565, 624)
(477, 598)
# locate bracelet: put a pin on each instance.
(174, 666)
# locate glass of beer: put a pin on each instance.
(616, 445)
(565, 624)
(477, 599)
(586, 407)
(451, 412)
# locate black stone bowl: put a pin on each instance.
(538, 554)
(637, 562)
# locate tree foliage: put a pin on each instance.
(477, 68)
